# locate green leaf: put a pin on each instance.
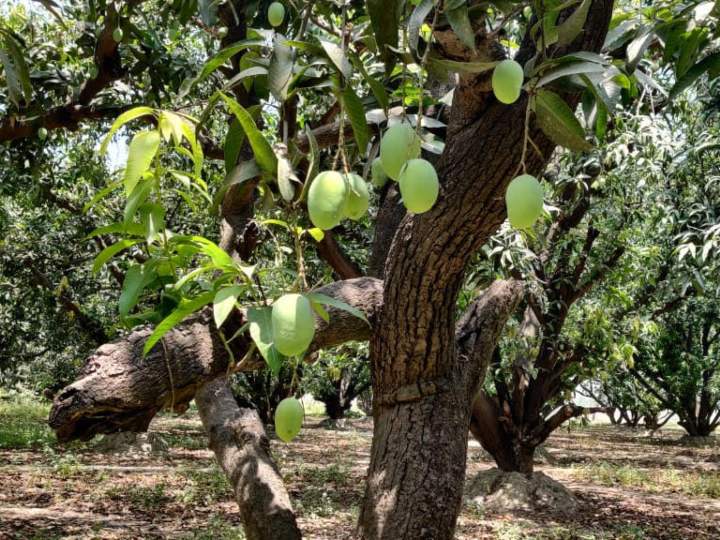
(337, 57)
(636, 48)
(264, 155)
(137, 198)
(376, 86)
(285, 175)
(337, 304)
(240, 173)
(17, 74)
(245, 74)
(463, 67)
(233, 143)
(104, 192)
(261, 333)
(142, 151)
(321, 311)
(186, 307)
(120, 121)
(197, 153)
(153, 219)
(356, 113)
(219, 256)
(385, 19)
(281, 67)
(136, 279)
(565, 70)
(709, 63)
(416, 21)
(571, 27)
(109, 252)
(460, 22)
(689, 51)
(314, 166)
(219, 59)
(317, 234)
(224, 302)
(558, 121)
(133, 229)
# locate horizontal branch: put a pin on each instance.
(68, 117)
(119, 390)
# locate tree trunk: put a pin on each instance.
(335, 407)
(489, 427)
(417, 469)
(417, 464)
(238, 438)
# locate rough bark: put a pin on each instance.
(119, 390)
(421, 427)
(242, 448)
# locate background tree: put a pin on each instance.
(338, 379)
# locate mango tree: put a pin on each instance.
(280, 109)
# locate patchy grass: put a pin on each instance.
(630, 487)
(203, 487)
(217, 529)
(23, 423)
(699, 484)
(141, 497)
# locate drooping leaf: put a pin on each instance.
(184, 309)
(558, 121)
(142, 151)
(136, 199)
(709, 63)
(337, 57)
(356, 114)
(224, 302)
(264, 155)
(261, 333)
(337, 304)
(376, 86)
(153, 220)
(17, 74)
(137, 277)
(462, 67)
(281, 67)
(385, 19)
(565, 70)
(109, 252)
(416, 21)
(120, 121)
(460, 22)
(571, 27)
(321, 311)
(285, 177)
(233, 142)
(636, 48)
(239, 174)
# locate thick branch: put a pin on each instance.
(564, 413)
(237, 436)
(332, 253)
(119, 390)
(478, 330)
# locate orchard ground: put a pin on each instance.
(630, 485)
